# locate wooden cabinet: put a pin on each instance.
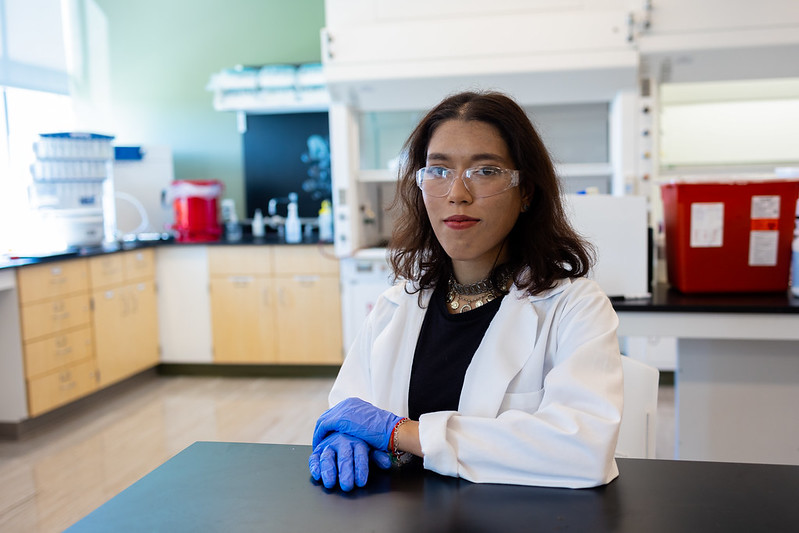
(277, 304)
(243, 318)
(242, 304)
(56, 333)
(308, 319)
(125, 314)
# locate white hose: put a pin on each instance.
(145, 221)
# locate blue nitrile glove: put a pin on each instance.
(358, 418)
(340, 457)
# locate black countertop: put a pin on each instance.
(271, 239)
(667, 299)
(663, 299)
(220, 486)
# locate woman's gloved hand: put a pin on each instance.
(340, 457)
(360, 419)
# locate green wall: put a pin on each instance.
(162, 54)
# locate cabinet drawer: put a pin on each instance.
(50, 280)
(62, 386)
(53, 316)
(107, 270)
(62, 349)
(305, 260)
(139, 264)
(233, 260)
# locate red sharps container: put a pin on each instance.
(196, 210)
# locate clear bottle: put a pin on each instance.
(258, 229)
(233, 228)
(293, 229)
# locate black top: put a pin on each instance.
(444, 350)
(220, 486)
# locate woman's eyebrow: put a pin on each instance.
(487, 157)
(475, 157)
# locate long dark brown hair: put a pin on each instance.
(542, 246)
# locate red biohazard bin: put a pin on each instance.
(196, 210)
(729, 237)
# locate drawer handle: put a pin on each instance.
(65, 376)
(61, 316)
(241, 281)
(306, 280)
(67, 386)
(64, 351)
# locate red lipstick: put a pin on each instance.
(460, 222)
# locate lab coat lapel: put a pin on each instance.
(504, 350)
(399, 338)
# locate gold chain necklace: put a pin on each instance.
(484, 291)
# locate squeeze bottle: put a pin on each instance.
(325, 222)
(293, 231)
(258, 224)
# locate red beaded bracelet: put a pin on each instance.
(394, 439)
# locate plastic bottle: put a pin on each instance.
(233, 228)
(258, 224)
(293, 230)
(795, 262)
(326, 222)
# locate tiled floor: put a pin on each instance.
(63, 471)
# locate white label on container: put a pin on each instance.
(765, 207)
(763, 248)
(707, 225)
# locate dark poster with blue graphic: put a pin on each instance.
(286, 153)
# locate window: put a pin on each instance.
(33, 99)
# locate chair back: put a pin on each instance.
(637, 431)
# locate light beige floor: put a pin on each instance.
(56, 476)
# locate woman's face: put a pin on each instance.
(471, 230)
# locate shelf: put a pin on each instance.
(268, 101)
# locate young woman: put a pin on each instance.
(495, 360)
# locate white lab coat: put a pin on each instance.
(542, 398)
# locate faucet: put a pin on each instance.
(274, 220)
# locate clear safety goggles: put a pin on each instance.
(481, 182)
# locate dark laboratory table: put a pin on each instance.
(232, 487)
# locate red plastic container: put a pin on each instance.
(196, 210)
(729, 237)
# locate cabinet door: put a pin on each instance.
(112, 310)
(143, 326)
(309, 320)
(242, 317)
(51, 280)
(126, 331)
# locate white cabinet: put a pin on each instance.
(381, 55)
(711, 40)
(184, 304)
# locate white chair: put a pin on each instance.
(637, 431)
